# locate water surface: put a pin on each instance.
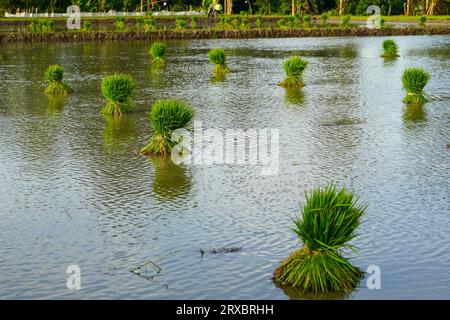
(73, 189)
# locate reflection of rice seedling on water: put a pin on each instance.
(293, 67)
(56, 103)
(390, 49)
(166, 116)
(118, 89)
(171, 181)
(294, 96)
(326, 225)
(414, 80)
(55, 85)
(414, 113)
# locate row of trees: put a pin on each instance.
(388, 7)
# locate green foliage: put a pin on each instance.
(245, 24)
(259, 22)
(390, 49)
(345, 21)
(324, 19)
(236, 23)
(414, 81)
(293, 67)
(139, 23)
(327, 222)
(87, 26)
(422, 20)
(281, 23)
(194, 22)
(291, 21)
(180, 23)
(118, 90)
(149, 24)
(41, 25)
(120, 24)
(54, 76)
(166, 116)
(158, 51)
(307, 21)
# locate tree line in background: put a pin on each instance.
(267, 7)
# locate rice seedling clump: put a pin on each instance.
(166, 116)
(55, 85)
(293, 67)
(118, 90)
(217, 57)
(158, 52)
(390, 49)
(327, 223)
(414, 80)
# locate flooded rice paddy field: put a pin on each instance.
(74, 190)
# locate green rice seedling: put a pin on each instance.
(324, 19)
(217, 57)
(291, 21)
(166, 116)
(47, 25)
(326, 224)
(87, 26)
(345, 21)
(120, 24)
(180, 23)
(422, 20)
(139, 23)
(194, 22)
(259, 22)
(34, 25)
(149, 24)
(54, 76)
(281, 23)
(227, 23)
(307, 21)
(414, 80)
(118, 90)
(293, 67)
(236, 23)
(297, 20)
(390, 49)
(157, 52)
(245, 24)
